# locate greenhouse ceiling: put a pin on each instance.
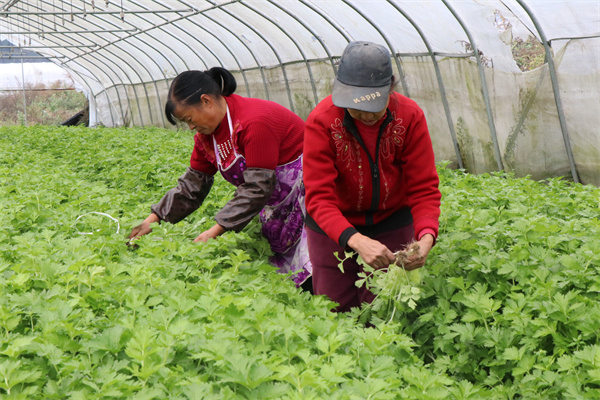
(456, 58)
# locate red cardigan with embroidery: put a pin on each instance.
(358, 176)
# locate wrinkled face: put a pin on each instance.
(204, 117)
(368, 118)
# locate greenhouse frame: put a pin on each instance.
(456, 58)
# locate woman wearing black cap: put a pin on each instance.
(370, 176)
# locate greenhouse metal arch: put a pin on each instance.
(462, 61)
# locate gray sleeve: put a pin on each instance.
(249, 198)
(191, 190)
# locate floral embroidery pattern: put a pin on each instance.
(344, 143)
(348, 152)
(361, 186)
(392, 139)
(387, 192)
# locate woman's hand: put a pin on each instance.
(373, 252)
(417, 259)
(144, 228)
(213, 232)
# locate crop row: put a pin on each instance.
(508, 303)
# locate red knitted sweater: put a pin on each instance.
(265, 133)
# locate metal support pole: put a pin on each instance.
(554, 79)
(23, 87)
(440, 81)
(484, 87)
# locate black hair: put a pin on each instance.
(189, 86)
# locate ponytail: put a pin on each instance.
(189, 86)
(224, 79)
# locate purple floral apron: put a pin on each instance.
(281, 218)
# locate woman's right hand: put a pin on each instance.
(373, 252)
(144, 228)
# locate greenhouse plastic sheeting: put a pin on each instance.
(454, 57)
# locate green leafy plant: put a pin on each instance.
(394, 287)
(44, 104)
(528, 54)
(507, 307)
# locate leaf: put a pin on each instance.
(17, 346)
(142, 345)
(322, 344)
(465, 390)
(13, 373)
(111, 340)
(513, 354)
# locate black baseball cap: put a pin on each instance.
(364, 77)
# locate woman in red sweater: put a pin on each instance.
(370, 176)
(257, 146)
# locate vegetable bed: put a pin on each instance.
(507, 307)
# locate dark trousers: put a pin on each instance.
(340, 287)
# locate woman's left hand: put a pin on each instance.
(213, 232)
(415, 261)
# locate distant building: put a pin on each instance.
(22, 67)
(9, 53)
